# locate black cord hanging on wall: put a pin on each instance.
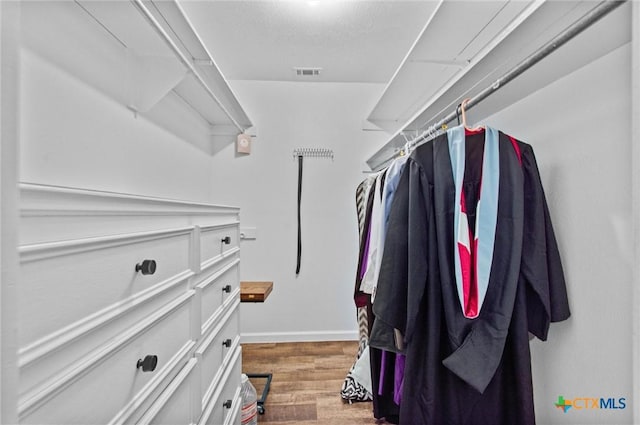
(300, 153)
(299, 203)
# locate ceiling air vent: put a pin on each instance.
(307, 72)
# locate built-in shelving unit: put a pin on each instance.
(145, 55)
(449, 63)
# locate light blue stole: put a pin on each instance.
(486, 217)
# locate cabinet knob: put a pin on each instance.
(227, 342)
(227, 404)
(146, 267)
(148, 364)
(227, 289)
(226, 240)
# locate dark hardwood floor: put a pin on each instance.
(307, 378)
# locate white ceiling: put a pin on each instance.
(352, 41)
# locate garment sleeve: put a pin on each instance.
(541, 267)
(390, 301)
(402, 279)
(419, 208)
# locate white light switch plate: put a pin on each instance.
(248, 233)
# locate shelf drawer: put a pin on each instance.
(222, 408)
(216, 290)
(64, 282)
(39, 362)
(108, 379)
(231, 391)
(216, 348)
(213, 240)
(175, 405)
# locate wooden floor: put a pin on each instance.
(306, 383)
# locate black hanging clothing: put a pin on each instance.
(463, 371)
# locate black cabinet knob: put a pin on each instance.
(226, 240)
(227, 342)
(148, 364)
(227, 404)
(227, 289)
(146, 267)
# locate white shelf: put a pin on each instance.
(146, 56)
(534, 25)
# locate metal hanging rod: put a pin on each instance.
(576, 28)
(186, 61)
(313, 153)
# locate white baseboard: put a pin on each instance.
(310, 336)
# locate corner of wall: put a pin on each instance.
(9, 35)
(635, 209)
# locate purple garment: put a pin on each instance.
(365, 259)
(398, 378)
(382, 370)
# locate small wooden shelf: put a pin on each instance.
(255, 292)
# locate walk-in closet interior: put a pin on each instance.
(157, 156)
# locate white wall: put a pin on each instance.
(73, 135)
(9, 263)
(318, 304)
(579, 128)
(635, 187)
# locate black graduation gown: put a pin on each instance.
(468, 371)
